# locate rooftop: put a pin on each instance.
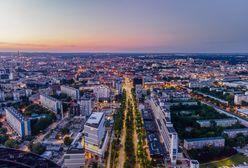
(204, 139)
(94, 119)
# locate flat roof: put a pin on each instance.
(94, 119)
(204, 139)
(224, 119)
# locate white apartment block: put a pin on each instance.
(198, 143)
(219, 122)
(51, 103)
(166, 129)
(15, 119)
(95, 134)
(70, 91)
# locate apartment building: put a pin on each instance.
(51, 103)
(16, 120)
(198, 143)
(70, 91)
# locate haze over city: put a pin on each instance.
(126, 26)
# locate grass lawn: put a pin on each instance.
(233, 160)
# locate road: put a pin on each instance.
(122, 154)
(128, 86)
(110, 150)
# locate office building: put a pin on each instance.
(198, 143)
(51, 103)
(16, 120)
(70, 91)
(95, 135)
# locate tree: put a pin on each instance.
(64, 131)
(11, 143)
(37, 148)
(67, 141)
(241, 141)
(213, 124)
(3, 130)
(3, 138)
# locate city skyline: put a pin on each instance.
(93, 26)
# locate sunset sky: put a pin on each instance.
(124, 25)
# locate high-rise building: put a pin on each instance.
(95, 135)
(17, 121)
(51, 103)
(70, 91)
(85, 106)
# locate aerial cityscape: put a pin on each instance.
(123, 84)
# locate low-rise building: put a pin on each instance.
(219, 122)
(234, 132)
(198, 143)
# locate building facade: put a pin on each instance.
(198, 143)
(70, 91)
(101, 91)
(166, 129)
(219, 122)
(15, 119)
(85, 105)
(95, 135)
(51, 103)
